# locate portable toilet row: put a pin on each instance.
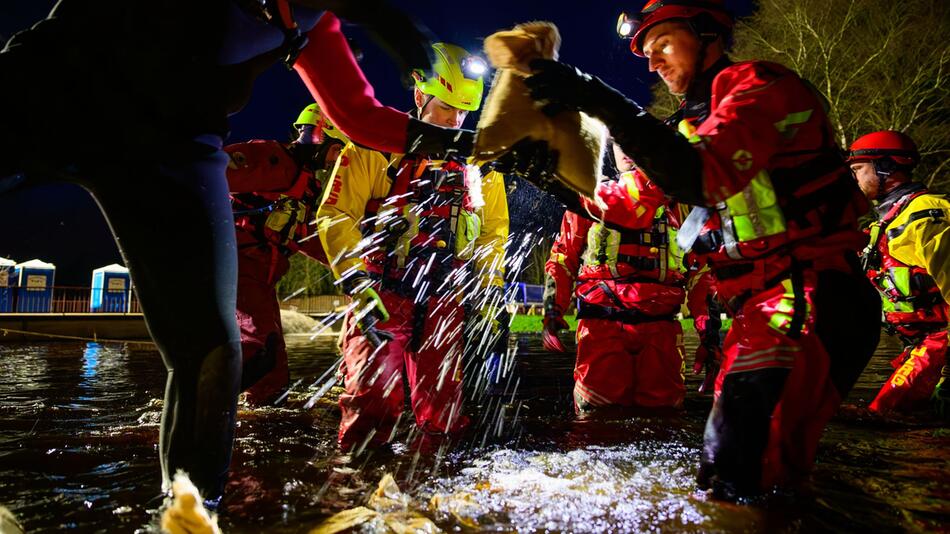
(7, 283)
(110, 289)
(28, 287)
(34, 281)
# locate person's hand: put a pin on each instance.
(368, 308)
(561, 87)
(941, 395)
(437, 141)
(529, 159)
(553, 323)
(707, 360)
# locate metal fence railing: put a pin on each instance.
(314, 304)
(525, 295)
(65, 299)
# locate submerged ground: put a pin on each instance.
(78, 434)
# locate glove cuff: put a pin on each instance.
(355, 282)
(610, 106)
(432, 140)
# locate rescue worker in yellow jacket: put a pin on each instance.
(412, 240)
(908, 260)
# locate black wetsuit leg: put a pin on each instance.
(172, 220)
(129, 102)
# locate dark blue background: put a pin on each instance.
(61, 223)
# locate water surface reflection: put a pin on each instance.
(79, 426)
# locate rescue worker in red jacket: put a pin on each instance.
(618, 259)
(275, 191)
(411, 241)
(777, 223)
(908, 260)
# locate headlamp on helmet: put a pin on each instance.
(474, 67)
(626, 26)
(707, 18)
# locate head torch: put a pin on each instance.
(474, 67)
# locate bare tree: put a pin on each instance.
(307, 277)
(880, 64)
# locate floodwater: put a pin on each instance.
(78, 434)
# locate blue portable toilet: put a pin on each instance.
(7, 285)
(34, 286)
(533, 294)
(110, 289)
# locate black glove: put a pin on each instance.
(565, 87)
(529, 159)
(534, 162)
(403, 37)
(437, 141)
(665, 156)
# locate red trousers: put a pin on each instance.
(917, 371)
(628, 364)
(792, 354)
(374, 400)
(265, 374)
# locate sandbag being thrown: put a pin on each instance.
(510, 114)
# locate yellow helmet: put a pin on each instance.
(313, 116)
(457, 77)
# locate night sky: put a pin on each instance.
(62, 224)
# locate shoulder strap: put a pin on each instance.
(879, 230)
(932, 213)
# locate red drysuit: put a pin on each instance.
(628, 283)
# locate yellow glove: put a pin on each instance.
(359, 287)
(941, 394)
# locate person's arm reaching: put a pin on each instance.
(329, 70)
(560, 273)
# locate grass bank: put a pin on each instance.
(532, 323)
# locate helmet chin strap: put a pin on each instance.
(305, 134)
(883, 168)
(420, 111)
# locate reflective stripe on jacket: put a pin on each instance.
(775, 183)
(625, 236)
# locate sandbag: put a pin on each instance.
(511, 115)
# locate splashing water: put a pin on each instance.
(639, 487)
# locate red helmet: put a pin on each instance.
(707, 18)
(885, 144)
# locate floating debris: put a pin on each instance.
(187, 514)
(388, 510)
(9, 523)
